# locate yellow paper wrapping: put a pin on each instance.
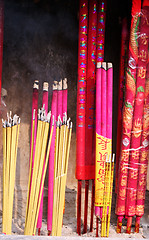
(103, 150)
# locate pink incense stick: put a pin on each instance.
(98, 210)
(51, 160)
(64, 102)
(60, 100)
(45, 106)
(103, 105)
(109, 103)
(1, 40)
(98, 113)
(34, 113)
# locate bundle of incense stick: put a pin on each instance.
(11, 128)
(63, 139)
(134, 142)
(58, 108)
(107, 199)
(90, 51)
(104, 89)
(42, 149)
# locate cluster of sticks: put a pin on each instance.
(133, 154)
(42, 149)
(62, 148)
(92, 16)
(11, 128)
(103, 170)
(58, 110)
(107, 197)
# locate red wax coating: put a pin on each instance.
(130, 92)
(81, 91)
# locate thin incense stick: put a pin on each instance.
(1, 40)
(4, 176)
(51, 160)
(111, 189)
(45, 105)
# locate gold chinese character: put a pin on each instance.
(141, 72)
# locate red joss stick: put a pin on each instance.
(90, 104)
(81, 103)
(127, 114)
(143, 161)
(137, 117)
(101, 20)
(124, 43)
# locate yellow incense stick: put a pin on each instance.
(4, 179)
(63, 180)
(111, 189)
(12, 176)
(44, 174)
(39, 175)
(107, 195)
(8, 129)
(36, 163)
(31, 162)
(60, 202)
